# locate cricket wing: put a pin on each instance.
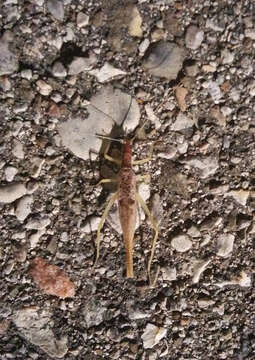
(128, 215)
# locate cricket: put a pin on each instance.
(128, 199)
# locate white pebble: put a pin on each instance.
(181, 243)
(10, 172)
(43, 88)
(34, 238)
(38, 224)
(12, 192)
(215, 91)
(17, 149)
(82, 19)
(152, 335)
(194, 37)
(91, 224)
(24, 207)
(198, 268)
(225, 245)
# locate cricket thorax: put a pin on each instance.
(127, 185)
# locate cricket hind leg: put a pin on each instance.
(106, 181)
(148, 158)
(100, 225)
(154, 241)
(143, 178)
(110, 158)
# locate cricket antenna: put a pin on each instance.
(139, 129)
(109, 116)
(105, 137)
(109, 138)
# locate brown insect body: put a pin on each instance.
(127, 204)
(128, 198)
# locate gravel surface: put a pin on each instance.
(184, 70)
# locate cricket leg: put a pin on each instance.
(148, 158)
(108, 207)
(155, 227)
(143, 178)
(104, 181)
(110, 158)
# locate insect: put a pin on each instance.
(128, 199)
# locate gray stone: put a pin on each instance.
(164, 60)
(82, 19)
(91, 224)
(58, 70)
(169, 273)
(215, 91)
(44, 88)
(214, 25)
(135, 25)
(227, 56)
(23, 208)
(35, 237)
(107, 73)
(207, 165)
(35, 325)
(108, 107)
(8, 59)
(225, 245)
(12, 192)
(250, 33)
(56, 9)
(17, 149)
(10, 172)
(80, 64)
(182, 122)
(152, 335)
(38, 223)
(198, 267)
(194, 37)
(241, 196)
(181, 243)
(94, 311)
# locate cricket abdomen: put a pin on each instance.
(127, 212)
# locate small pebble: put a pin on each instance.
(225, 245)
(107, 73)
(241, 196)
(181, 243)
(82, 19)
(58, 70)
(43, 88)
(194, 37)
(227, 56)
(56, 9)
(17, 149)
(182, 122)
(38, 224)
(91, 224)
(152, 335)
(23, 208)
(214, 90)
(8, 59)
(198, 267)
(27, 74)
(10, 172)
(169, 273)
(135, 25)
(35, 237)
(192, 70)
(80, 64)
(12, 192)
